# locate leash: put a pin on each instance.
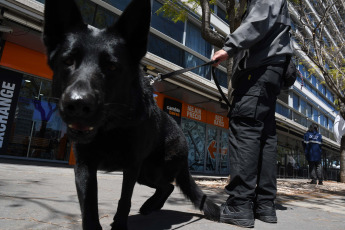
(160, 77)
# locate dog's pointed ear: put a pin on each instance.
(60, 17)
(134, 25)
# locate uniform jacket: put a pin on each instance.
(263, 37)
(312, 142)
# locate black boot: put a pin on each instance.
(238, 214)
(266, 212)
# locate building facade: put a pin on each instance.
(35, 131)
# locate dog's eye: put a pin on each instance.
(68, 61)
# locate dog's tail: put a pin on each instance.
(192, 191)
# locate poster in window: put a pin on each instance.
(10, 84)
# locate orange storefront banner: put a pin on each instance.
(25, 60)
(217, 120)
(192, 112)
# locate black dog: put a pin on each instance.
(110, 111)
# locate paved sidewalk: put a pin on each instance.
(42, 197)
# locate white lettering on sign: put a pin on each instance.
(6, 94)
(177, 110)
(194, 112)
(218, 120)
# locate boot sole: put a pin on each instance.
(246, 223)
(268, 219)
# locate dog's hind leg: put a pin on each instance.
(156, 202)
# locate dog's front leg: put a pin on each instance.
(129, 179)
(86, 182)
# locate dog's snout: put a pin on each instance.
(79, 104)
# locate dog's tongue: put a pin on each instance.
(80, 127)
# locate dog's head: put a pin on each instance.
(96, 72)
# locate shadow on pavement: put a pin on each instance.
(164, 219)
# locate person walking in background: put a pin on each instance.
(312, 143)
(261, 50)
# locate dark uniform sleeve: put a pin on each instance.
(262, 15)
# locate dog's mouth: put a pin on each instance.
(80, 129)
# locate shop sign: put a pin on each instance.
(194, 113)
(173, 108)
(10, 83)
(217, 120)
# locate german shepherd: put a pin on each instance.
(111, 114)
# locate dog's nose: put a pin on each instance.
(78, 104)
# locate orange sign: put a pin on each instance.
(194, 113)
(26, 60)
(217, 120)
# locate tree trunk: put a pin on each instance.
(342, 160)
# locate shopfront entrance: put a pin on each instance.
(208, 147)
(34, 129)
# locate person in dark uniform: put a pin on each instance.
(312, 143)
(261, 49)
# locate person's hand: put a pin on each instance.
(220, 55)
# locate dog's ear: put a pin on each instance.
(60, 17)
(134, 26)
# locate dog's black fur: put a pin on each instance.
(110, 111)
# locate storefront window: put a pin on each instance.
(195, 133)
(37, 130)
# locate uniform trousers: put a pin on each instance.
(252, 138)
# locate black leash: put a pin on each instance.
(181, 71)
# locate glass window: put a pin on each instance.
(104, 18)
(316, 115)
(38, 130)
(222, 14)
(165, 25)
(296, 102)
(282, 110)
(322, 119)
(309, 111)
(195, 133)
(191, 61)
(304, 107)
(120, 4)
(87, 10)
(195, 41)
(222, 78)
(330, 124)
(165, 50)
(313, 80)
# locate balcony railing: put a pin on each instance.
(294, 115)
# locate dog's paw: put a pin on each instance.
(117, 225)
(156, 202)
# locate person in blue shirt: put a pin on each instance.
(312, 143)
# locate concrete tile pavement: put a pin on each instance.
(42, 197)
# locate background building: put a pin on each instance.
(37, 132)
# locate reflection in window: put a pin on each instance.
(165, 50)
(120, 4)
(191, 61)
(104, 18)
(195, 133)
(165, 25)
(195, 41)
(38, 131)
(87, 10)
